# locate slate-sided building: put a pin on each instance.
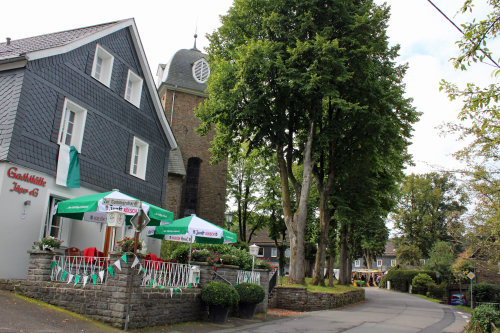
(90, 88)
(197, 187)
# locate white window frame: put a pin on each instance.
(201, 70)
(73, 124)
(357, 263)
(102, 71)
(139, 159)
(261, 252)
(133, 88)
(379, 262)
(393, 262)
(274, 252)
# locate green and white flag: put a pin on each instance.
(68, 167)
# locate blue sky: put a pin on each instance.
(427, 43)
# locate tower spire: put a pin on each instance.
(195, 36)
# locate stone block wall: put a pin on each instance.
(299, 299)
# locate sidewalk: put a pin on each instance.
(21, 314)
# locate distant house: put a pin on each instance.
(267, 248)
(383, 262)
(88, 88)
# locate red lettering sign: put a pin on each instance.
(26, 177)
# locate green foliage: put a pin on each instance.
(441, 259)
(409, 254)
(482, 317)
(250, 292)
(461, 268)
(220, 294)
(200, 255)
(437, 291)
(486, 292)
(360, 283)
(127, 244)
(421, 283)
(401, 278)
(238, 257)
(430, 209)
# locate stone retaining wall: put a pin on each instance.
(122, 296)
(299, 299)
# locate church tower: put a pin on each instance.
(194, 185)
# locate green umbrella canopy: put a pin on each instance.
(203, 231)
(76, 208)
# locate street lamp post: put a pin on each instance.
(254, 250)
(229, 219)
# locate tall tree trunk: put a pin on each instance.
(344, 278)
(296, 221)
(368, 258)
(324, 226)
(329, 269)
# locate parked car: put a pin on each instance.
(458, 299)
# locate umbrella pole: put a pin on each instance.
(106, 241)
(190, 247)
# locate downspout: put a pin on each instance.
(172, 112)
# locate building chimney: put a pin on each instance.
(8, 41)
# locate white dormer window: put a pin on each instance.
(72, 125)
(103, 65)
(379, 262)
(201, 71)
(139, 158)
(133, 90)
(357, 263)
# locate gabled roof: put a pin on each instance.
(61, 42)
(20, 47)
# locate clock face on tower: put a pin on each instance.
(201, 71)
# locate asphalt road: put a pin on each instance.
(383, 311)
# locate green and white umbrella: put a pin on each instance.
(93, 208)
(193, 229)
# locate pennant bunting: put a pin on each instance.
(59, 268)
(140, 270)
(124, 257)
(175, 291)
(94, 278)
(151, 283)
(77, 279)
(70, 278)
(85, 279)
(53, 265)
(64, 275)
(118, 265)
(171, 292)
(101, 276)
(110, 270)
(136, 261)
(190, 286)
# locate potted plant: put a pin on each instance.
(251, 294)
(127, 245)
(47, 244)
(262, 264)
(200, 255)
(220, 297)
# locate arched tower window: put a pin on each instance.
(192, 181)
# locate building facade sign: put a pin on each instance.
(27, 178)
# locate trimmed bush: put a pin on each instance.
(250, 292)
(437, 291)
(421, 283)
(402, 278)
(486, 292)
(220, 294)
(482, 317)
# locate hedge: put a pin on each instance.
(402, 278)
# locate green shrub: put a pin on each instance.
(486, 292)
(383, 282)
(181, 254)
(482, 316)
(220, 294)
(240, 258)
(421, 283)
(437, 291)
(402, 278)
(360, 283)
(200, 255)
(250, 292)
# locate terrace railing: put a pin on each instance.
(248, 276)
(166, 274)
(71, 268)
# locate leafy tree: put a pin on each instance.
(408, 254)
(430, 209)
(479, 123)
(441, 258)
